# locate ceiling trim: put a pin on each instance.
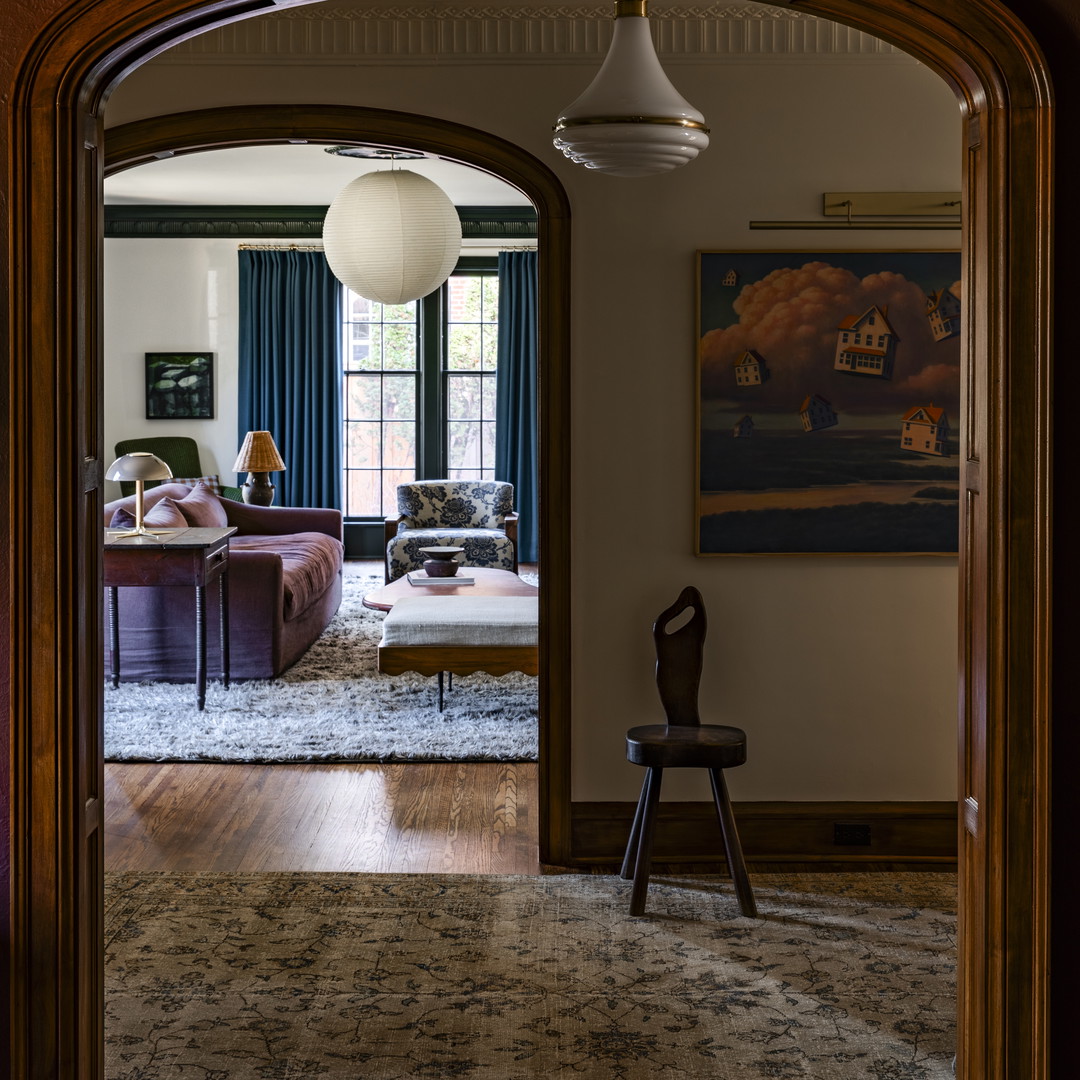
(493, 34)
(507, 223)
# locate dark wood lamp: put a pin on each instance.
(258, 457)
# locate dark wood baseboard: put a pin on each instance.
(774, 832)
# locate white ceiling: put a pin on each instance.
(293, 175)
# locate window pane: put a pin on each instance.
(362, 493)
(399, 445)
(463, 347)
(463, 394)
(465, 298)
(489, 385)
(463, 451)
(399, 397)
(391, 479)
(362, 446)
(490, 350)
(361, 397)
(490, 312)
(465, 474)
(488, 445)
(358, 307)
(399, 346)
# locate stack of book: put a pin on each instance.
(420, 577)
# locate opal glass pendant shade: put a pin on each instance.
(392, 236)
(631, 121)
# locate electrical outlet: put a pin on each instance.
(850, 833)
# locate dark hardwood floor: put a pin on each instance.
(396, 818)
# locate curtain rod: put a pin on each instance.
(279, 247)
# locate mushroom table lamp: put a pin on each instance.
(258, 457)
(140, 466)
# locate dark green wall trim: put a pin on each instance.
(506, 223)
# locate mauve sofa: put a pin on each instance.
(284, 587)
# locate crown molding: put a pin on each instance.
(500, 223)
(491, 34)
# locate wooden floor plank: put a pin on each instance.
(372, 818)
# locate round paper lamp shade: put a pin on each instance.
(631, 121)
(392, 236)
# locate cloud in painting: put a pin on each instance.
(790, 317)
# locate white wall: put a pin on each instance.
(170, 296)
(842, 670)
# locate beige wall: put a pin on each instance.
(843, 671)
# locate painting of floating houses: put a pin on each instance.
(925, 430)
(827, 383)
(866, 344)
(751, 369)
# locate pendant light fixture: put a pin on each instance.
(392, 236)
(631, 121)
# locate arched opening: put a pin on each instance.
(54, 449)
(139, 142)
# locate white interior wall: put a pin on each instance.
(842, 670)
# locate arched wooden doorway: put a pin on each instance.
(52, 620)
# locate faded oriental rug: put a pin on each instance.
(283, 976)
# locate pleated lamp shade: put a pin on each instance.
(631, 121)
(392, 236)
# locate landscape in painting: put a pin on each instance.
(829, 401)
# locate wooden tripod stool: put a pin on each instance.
(684, 742)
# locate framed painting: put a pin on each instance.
(828, 403)
(179, 386)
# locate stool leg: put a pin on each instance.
(651, 797)
(635, 834)
(440, 691)
(732, 847)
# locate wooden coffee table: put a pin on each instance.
(494, 657)
(488, 583)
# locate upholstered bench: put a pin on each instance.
(460, 635)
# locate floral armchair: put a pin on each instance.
(476, 515)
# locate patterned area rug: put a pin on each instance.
(275, 977)
(331, 705)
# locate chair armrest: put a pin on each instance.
(390, 528)
(282, 520)
(510, 527)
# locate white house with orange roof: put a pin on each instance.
(744, 427)
(817, 413)
(866, 344)
(925, 430)
(943, 313)
(751, 369)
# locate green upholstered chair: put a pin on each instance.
(180, 453)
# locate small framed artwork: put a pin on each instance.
(828, 403)
(179, 386)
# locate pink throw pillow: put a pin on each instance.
(164, 514)
(203, 509)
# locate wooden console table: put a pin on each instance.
(194, 557)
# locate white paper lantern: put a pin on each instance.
(392, 236)
(631, 121)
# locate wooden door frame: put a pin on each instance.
(142, 141)
(52, 629)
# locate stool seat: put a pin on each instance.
(709, 746)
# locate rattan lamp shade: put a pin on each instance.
(259, 454)
(392, 236)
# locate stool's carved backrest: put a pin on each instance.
(679, 658)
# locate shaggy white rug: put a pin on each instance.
(331, 705)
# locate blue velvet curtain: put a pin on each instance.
(516, 394)
(290, 369)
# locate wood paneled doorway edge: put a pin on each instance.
(53, 438)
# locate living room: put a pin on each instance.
(877, 677)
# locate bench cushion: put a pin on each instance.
(462, 620)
